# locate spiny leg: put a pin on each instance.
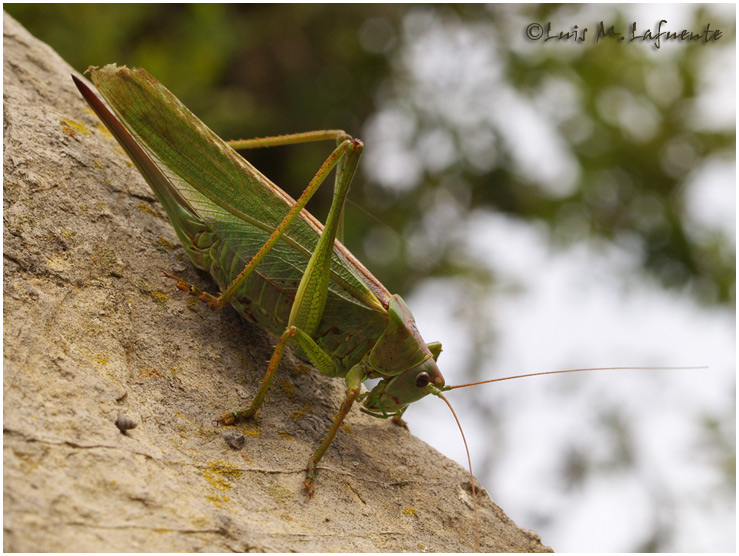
(320, 359)
(310, 298)
(345, 157)
(347, 148)
(307, 311)
(324, 363)
(354, 380)
(288, 139)
(233, 417)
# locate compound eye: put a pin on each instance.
(422, 380)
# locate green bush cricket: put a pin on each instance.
(274, 262)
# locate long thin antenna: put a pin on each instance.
(574, 371)
(472, 478)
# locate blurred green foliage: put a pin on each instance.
(256, 70)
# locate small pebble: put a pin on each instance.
(235, 440)
(125, 423)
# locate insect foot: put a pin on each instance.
(210, 300)
(231, 418)
(396, 420)
(310, 475)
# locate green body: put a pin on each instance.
(275, 263)
(223, 210)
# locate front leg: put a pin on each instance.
(354, 379)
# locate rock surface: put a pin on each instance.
(93, 333)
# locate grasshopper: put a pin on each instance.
(276, 264)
